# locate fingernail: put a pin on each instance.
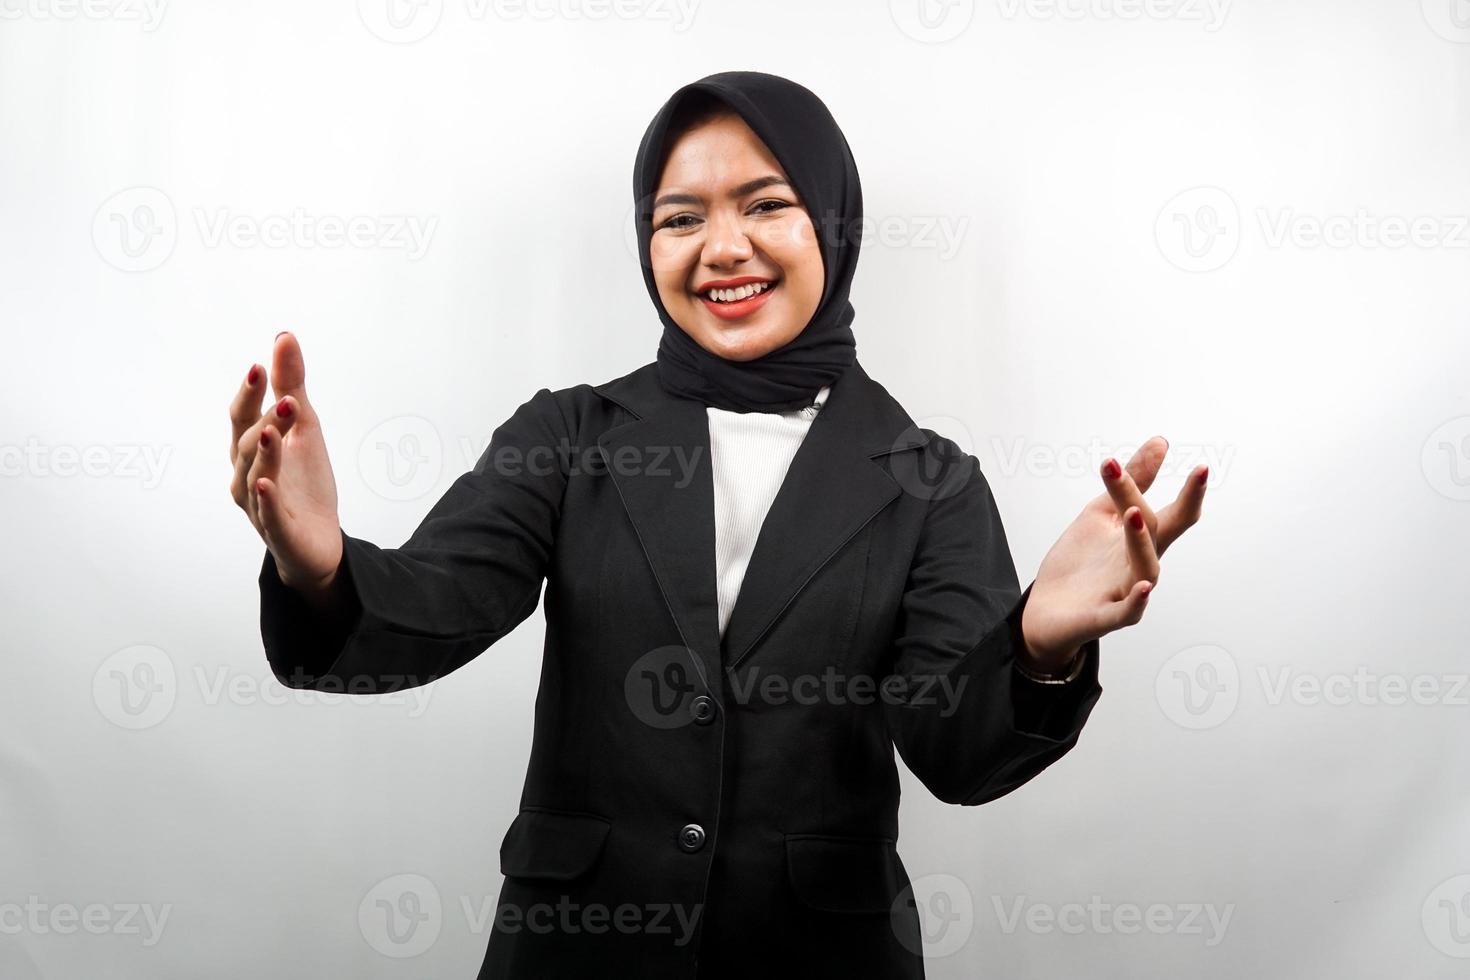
(1204, 475)
(1136, 520)
(1112, 469)
(282, 334)
(254, 373)
(283, 408)
(265, 438)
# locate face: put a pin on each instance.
(725, 219)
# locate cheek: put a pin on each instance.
(670, 272)
(664, 250)
(804, 275)
(801, 259)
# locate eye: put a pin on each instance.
(684, 220)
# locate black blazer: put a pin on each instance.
(705, 808)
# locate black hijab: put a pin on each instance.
(806, 141)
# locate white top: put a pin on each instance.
(750, 453)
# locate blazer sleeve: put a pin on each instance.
(969, 725)
(470, 573)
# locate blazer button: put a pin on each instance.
(691, 838)
(703, 709)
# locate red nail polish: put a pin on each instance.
(283, 408)
(1113, 469)
(254, 373)
(1136, 520)
(265, 438)
(1204, 475)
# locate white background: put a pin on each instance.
(1242, 226)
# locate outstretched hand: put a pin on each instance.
(283, 478)
(1098, 575)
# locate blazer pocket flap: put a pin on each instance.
(552, 845)
(843, 874)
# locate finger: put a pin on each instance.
(1182, 514)
(281, 415)
(257, 473)
(1124, 491)
(1128, 610)
(267, 460)
(272, 510)
(245, 406)
(270, 447)
(1144, 464)
(1141, 555)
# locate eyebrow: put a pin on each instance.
(750, 186)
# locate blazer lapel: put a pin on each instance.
(661, 468)
(833, 488)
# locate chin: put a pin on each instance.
(738, 344)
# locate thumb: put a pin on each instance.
(1128, 610)
(288, 368)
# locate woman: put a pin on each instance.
(711, 790)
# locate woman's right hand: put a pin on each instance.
(283, 478)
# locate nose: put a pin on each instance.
(725, 241)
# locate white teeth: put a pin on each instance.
(738, 293)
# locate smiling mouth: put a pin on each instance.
(738, 294)
(739, 302)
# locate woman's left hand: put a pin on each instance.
(1098, 575)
